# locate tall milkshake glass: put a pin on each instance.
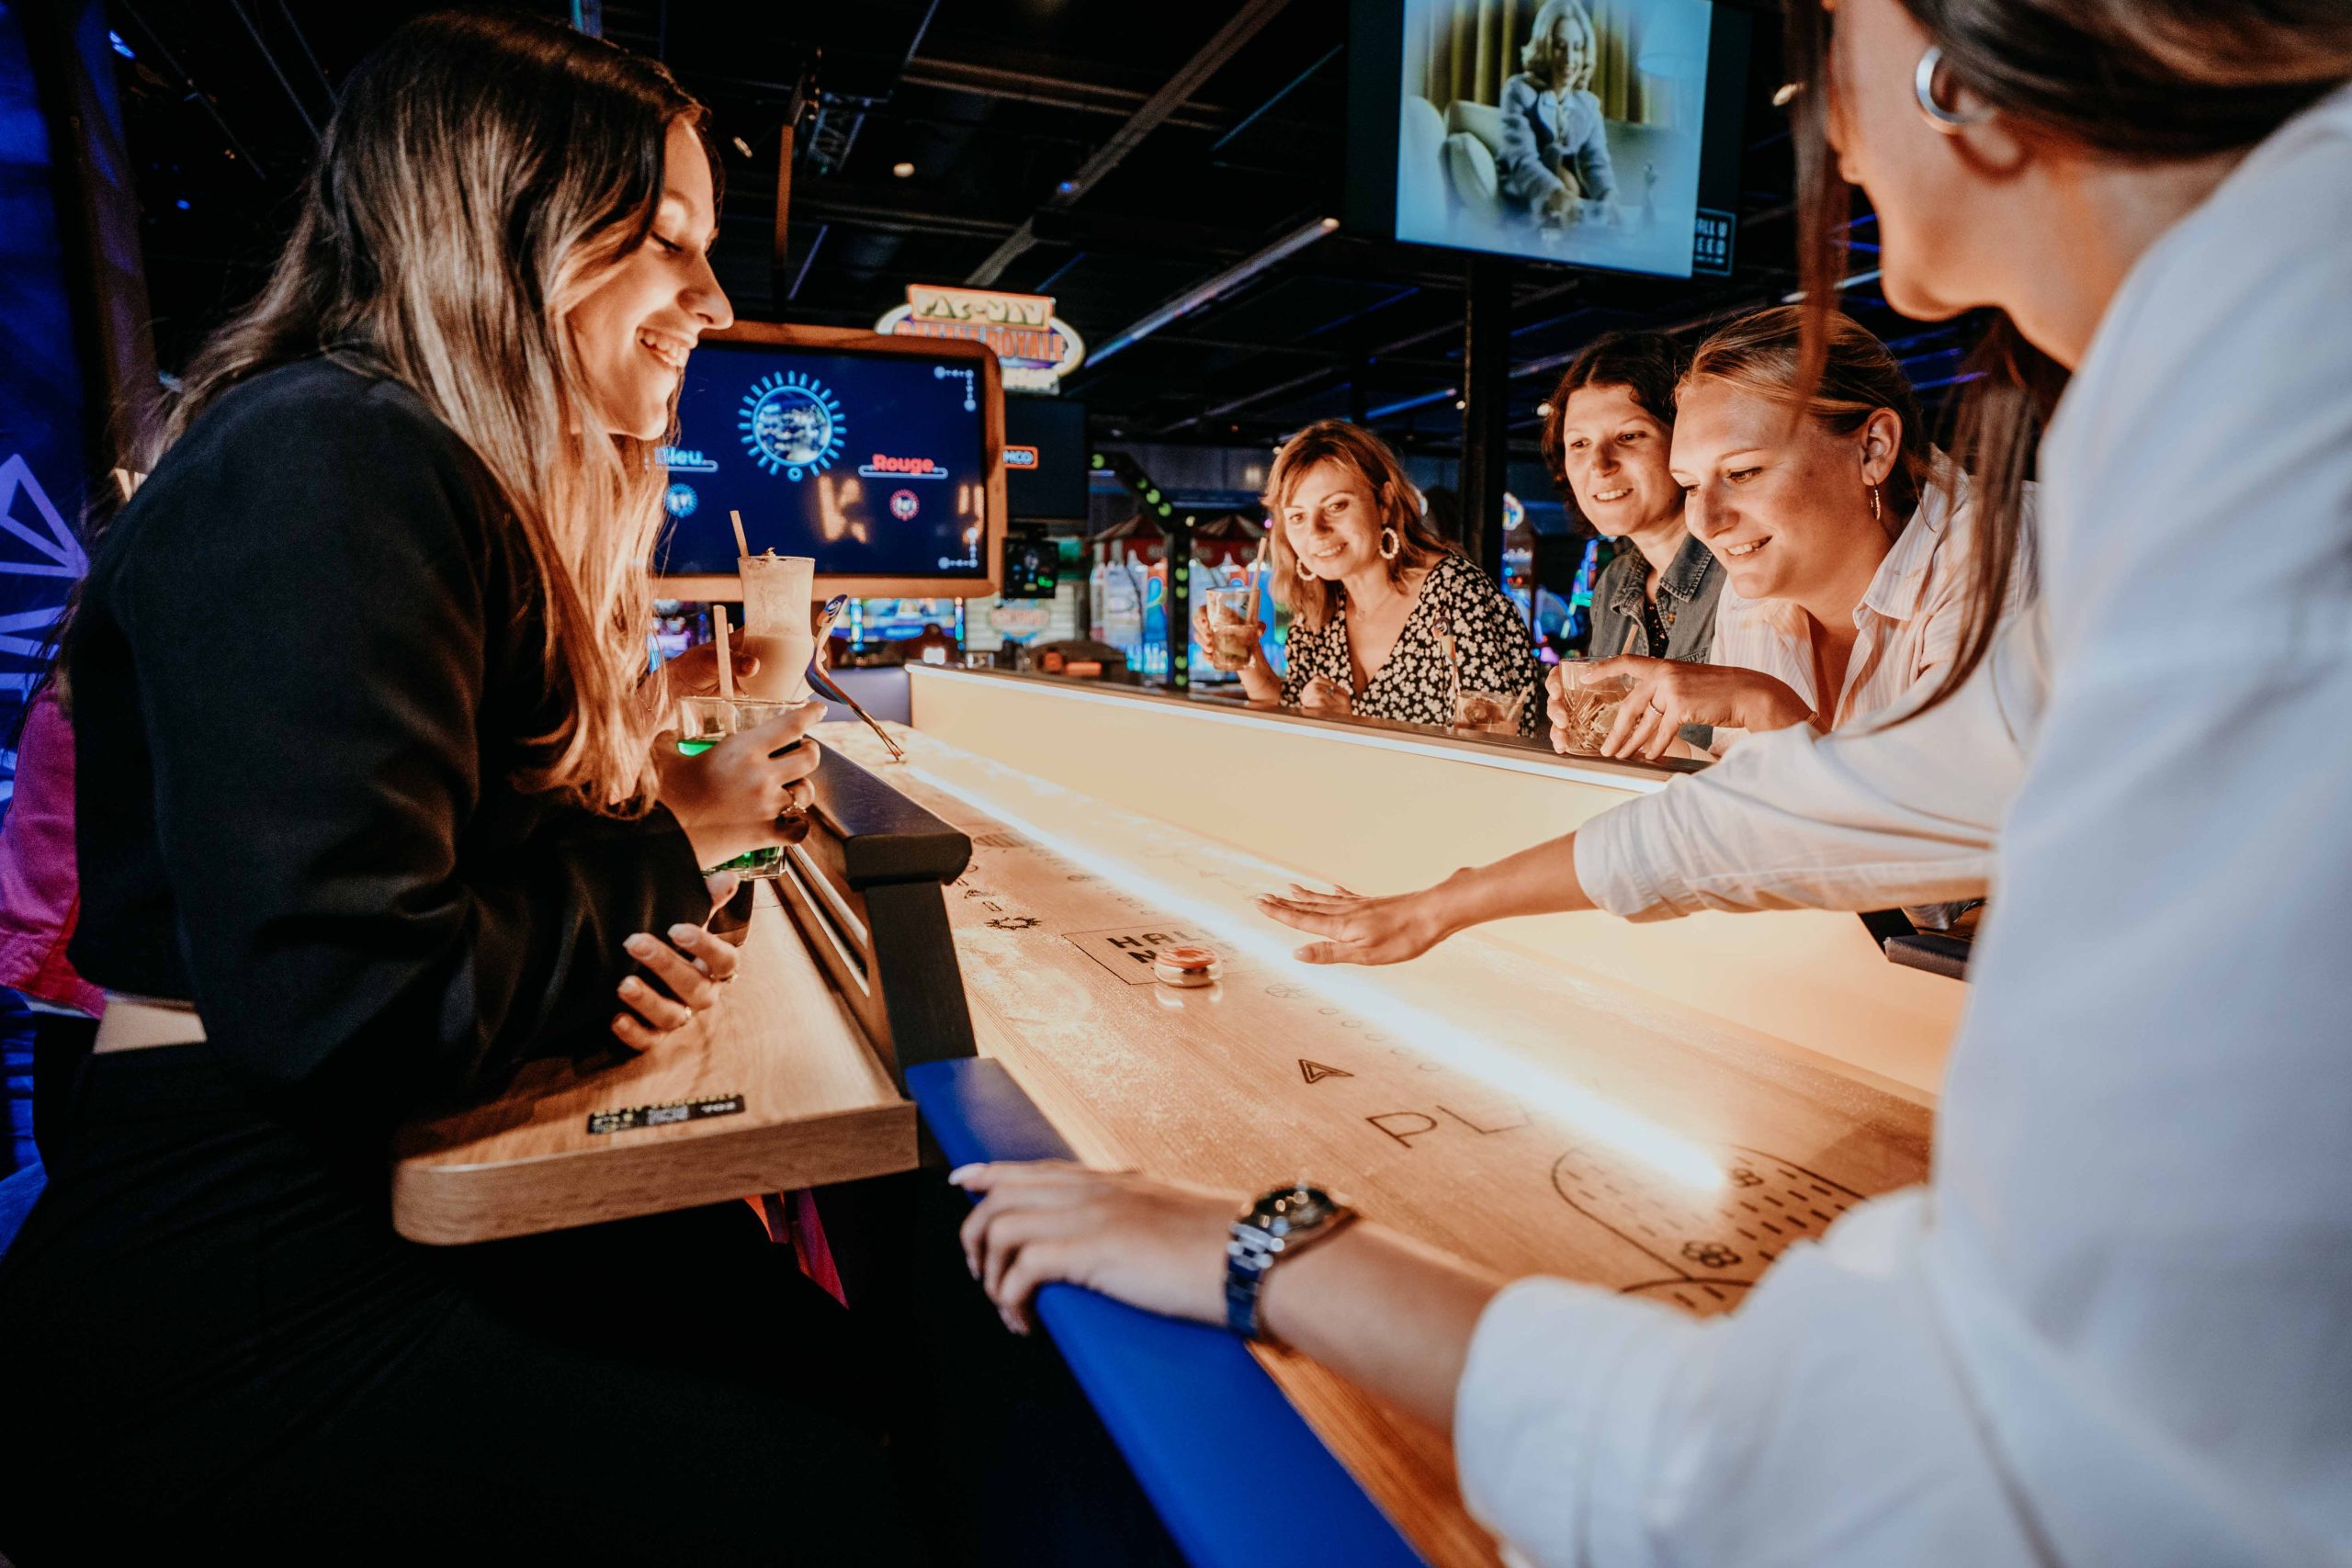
(776, 623)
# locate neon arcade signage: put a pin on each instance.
(1034, 348)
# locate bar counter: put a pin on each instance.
(1534, 1115)
(1383, 807)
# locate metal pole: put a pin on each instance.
(1485, 393)
(1179, 530)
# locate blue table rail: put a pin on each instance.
(1238, 1477)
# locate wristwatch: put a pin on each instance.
(1287, 1221)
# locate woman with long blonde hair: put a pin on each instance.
(369, 813)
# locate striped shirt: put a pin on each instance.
(1908, 622)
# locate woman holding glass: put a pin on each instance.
(1388, 620)
(1843, 538)
(379, 859)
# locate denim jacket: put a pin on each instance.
(1687, 591)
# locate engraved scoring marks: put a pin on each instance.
(1716, 1245)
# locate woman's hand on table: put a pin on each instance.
(690, 965)
(1357, 930)
(1668, 694)
(1156, 1245)
(727, 798)
(1390, 1315)
(1322, 694)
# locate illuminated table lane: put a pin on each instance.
(1534, 1118)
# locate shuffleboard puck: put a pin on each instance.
(1188, 966)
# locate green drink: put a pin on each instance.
(703, 723)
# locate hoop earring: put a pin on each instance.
(1944, 122)
(1877, 512)
(1303, 575)
(1391, 543)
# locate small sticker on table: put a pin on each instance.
(675, 1111)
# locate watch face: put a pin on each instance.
(1297, 1209)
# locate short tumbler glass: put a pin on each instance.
(1233, 628)
(704, 722)
(1593, 707)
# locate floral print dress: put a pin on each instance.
(1463, 634)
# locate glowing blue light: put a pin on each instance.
(119, 47)
(181, 204)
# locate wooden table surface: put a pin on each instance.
(775, 1087)
(1530, 1117)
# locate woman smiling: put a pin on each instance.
(1389, 621)
(1842, 544)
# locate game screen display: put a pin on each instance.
(1032, 565)
(876, 465)
(1563, 130)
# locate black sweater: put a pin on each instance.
(303, 663)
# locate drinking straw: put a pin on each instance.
(726, 657)
(742, 544)
(826, 689)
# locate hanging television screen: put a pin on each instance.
(1046, 452)
(881, 458)
(1601, 133)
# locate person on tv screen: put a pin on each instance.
(1555, 146)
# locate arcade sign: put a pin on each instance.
(1034, 348)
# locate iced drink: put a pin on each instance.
(776, 625)
(1592, 709)
(1489, 711)
(1233, 627)
(703, 723)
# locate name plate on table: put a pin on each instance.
(790, 1081)
(629, 1120)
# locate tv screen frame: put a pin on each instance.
(1376, 36)
(726, 587)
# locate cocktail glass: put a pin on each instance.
(1593, 707)
(1493, 712)
(777, 627)
(1233, 625)
(703, 723)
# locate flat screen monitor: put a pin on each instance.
(1045, 454)
(1033, 564)
(879, 458)
(1600, 135)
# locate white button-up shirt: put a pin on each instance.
(2117, 1328)
(1907, 627)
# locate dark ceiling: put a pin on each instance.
(997, 104)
